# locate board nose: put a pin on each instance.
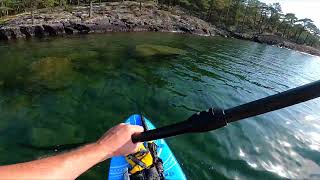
(134, 119)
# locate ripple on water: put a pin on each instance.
(105, 81)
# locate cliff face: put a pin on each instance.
(110, 17)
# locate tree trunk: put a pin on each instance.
(305, 40)
(1, 5)
(297, 40)
(78, 2)
(219, 17)
(90, 9)
(227, 15)
(255, 18)
(234, 20)
(244, 18)
(269, 22)
(285, 30)
(296, 33)
(313, 43)
(210, 11)
(277, 28)
(260, 22)
(32, 15)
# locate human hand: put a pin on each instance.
(117, 141)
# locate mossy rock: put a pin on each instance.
(3, 21)
(88, 55)
(51, 73)
(148, 50)
(87, 61)
(13, 72)
(19, 103)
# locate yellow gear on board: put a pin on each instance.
(143, 156)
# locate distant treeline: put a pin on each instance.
(245, 16)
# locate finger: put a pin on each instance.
(137, 129)
(137, 146)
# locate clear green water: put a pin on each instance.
(71, 90)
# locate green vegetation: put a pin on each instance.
(243, 16)
(253, 16)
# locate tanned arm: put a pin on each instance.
(70, 165)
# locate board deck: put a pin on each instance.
(172, 169)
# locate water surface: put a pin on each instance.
(71, 90)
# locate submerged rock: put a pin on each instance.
(63, 134)
(51, 73)
(147, 50)
(88, 61)
(80, 56)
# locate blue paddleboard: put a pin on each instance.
(172, 169)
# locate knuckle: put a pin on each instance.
(126, 127)
(122, 126)
(141, 128)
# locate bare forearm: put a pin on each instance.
(64, 166)
(117, 141)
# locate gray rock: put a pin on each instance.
(54, 29)
(28, 31)
(124, 17)
(82, 28)
(69, 30)
(39, 31)
(9, 33)
(5, 34)
(269, 39)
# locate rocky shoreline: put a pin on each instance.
(108, 17)
(274, 40)
(124, 17)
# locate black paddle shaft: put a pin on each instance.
(215, 118)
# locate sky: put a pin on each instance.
(302, 8)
